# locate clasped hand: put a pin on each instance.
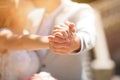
(63, 39)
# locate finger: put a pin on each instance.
(71, 26)
(57, 40)
(59, 34)
(71, 30)
(59, 27)
(62, 25)
(56, 27)
(51, 37)
(59, 45)
(64, 34)
(60, 52)
(67, 29)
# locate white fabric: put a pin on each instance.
(47, 24)
(16, 65)
(69, 67)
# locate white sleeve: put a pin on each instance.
(87, 21)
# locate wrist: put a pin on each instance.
(77, 45)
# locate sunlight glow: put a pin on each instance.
(17, 3)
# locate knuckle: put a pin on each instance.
(63, 31)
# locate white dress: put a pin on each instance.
(18, 65)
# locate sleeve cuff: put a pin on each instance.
(81, 49)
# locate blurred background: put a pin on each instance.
(110, 15)
(105, 60)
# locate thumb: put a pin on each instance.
(71, 26)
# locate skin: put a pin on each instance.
(61, 41)
(64, 40)
(49, 5)
(12, 38)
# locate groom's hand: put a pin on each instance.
(64, 39)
